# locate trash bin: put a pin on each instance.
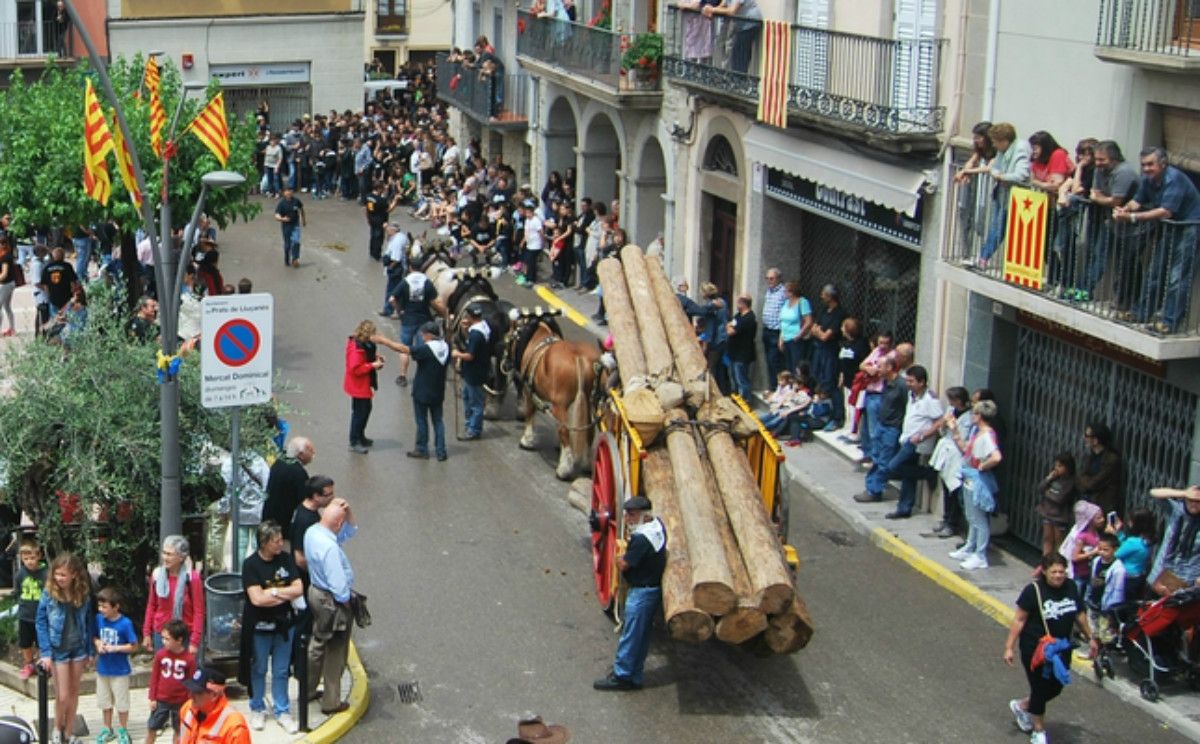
(225, 598)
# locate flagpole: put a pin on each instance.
(170, 501)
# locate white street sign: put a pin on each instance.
(235, 357)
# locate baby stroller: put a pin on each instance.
(1153, 640)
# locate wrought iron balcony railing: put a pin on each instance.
(1139, 274)
(488, 96)
(582, 51)
(23, 39)
(880, 85)
(1154, 27)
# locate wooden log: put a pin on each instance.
(746, 620)
(791, 630)
(685, 621)
(712, 581)
(623, 325)
(689, 359)
(756, 541)
(659, 362)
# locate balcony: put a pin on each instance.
(391, 18)
(497, 100)
(1075, 267)
(586, 60)
(1157, 34)
(31, 39)
(881, 90)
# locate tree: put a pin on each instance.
(41, 136)
(80, 434)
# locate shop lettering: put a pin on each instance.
(840, 200)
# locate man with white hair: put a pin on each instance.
(395, 264)
(285, 482)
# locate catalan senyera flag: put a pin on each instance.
(776, 70)
(1025, 237)
(125, 165)
(158, 120)
(151, 77)
(212, 129)
(97, 144)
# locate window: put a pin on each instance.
(719, 157)
(392, 17)
(1187, 22)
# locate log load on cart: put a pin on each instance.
(709, 467)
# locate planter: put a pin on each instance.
(642, 78)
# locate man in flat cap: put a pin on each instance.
(642, 568)
(431, 354)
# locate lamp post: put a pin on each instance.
(166, 259)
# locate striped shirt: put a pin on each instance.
(772, 302)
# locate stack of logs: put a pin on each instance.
(726, 573)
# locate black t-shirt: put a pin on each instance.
(59, 276)
(482, 234)
(289, 209)
(741, 344)
(645, 563)
(285, 490)
(7, 260)
(892, 403)
(277, 573)
(850, 358)
(1059, 607)
(831, 320)
(415, 304)
(377, 209)
(476, 370)
(429, 383)
(301, 521)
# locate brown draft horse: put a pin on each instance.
(555, 375)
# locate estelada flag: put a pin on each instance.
(97, 144)
(212, 129)
(1025, 237)
(125, 166)
(776, 69)
(158, 120)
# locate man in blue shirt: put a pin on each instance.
(773, 300)
(1165, 194)
(332, 580)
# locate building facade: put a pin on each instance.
(307, 58)
(402, 31)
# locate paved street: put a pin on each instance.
(479, 577)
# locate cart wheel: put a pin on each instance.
(1149, 690)
(605, 498)
(1193, 678)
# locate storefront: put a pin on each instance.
(833, 216)
(284, 86)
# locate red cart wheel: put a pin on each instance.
(605, 505)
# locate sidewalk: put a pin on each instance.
(825, 469)
(323, 729)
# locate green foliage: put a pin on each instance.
(645, 52)
(41, 136)
(85, 422)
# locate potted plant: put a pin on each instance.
(642, 61)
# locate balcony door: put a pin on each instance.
(810, 44)
(722, 245)
(1187, 23)
(915, 26)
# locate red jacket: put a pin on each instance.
(357, 382)
(158, 609)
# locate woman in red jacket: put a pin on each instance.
(176, 593)
(361, 382)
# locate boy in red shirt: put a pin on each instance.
(172, 665)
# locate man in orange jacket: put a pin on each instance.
(208, 716)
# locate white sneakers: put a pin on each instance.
(1024, 720)
(1039, 737)
(973, 562)
(959, 554)
(288, 723)
(258, 719)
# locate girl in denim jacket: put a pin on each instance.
(65, 626)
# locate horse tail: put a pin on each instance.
(579, 417)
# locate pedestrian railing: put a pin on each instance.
(591, 52)
(878, 84)
(1165, 27)
(1074, 251)
(21, 39)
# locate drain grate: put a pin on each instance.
(838, 537)
(409, 692)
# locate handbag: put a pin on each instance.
(1039, 654)
(358, 608)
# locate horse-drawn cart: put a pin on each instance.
(713, 473)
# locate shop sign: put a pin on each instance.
(267, 73)
(848, 208)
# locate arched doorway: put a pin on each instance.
(601, 161)
(560, 134)
(721, 213)
(649, 186)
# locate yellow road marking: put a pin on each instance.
(557, 302)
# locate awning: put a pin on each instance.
(837, 167)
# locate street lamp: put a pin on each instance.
(166, 258)
(217, 181)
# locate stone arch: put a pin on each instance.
(650, 183)
(561, 134)
(600, 159)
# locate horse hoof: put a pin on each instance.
(526, 447)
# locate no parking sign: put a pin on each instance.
(235, 357)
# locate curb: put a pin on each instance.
(559, 303)
(986, 603)
(338, 725)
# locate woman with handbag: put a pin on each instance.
(1046, 610)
